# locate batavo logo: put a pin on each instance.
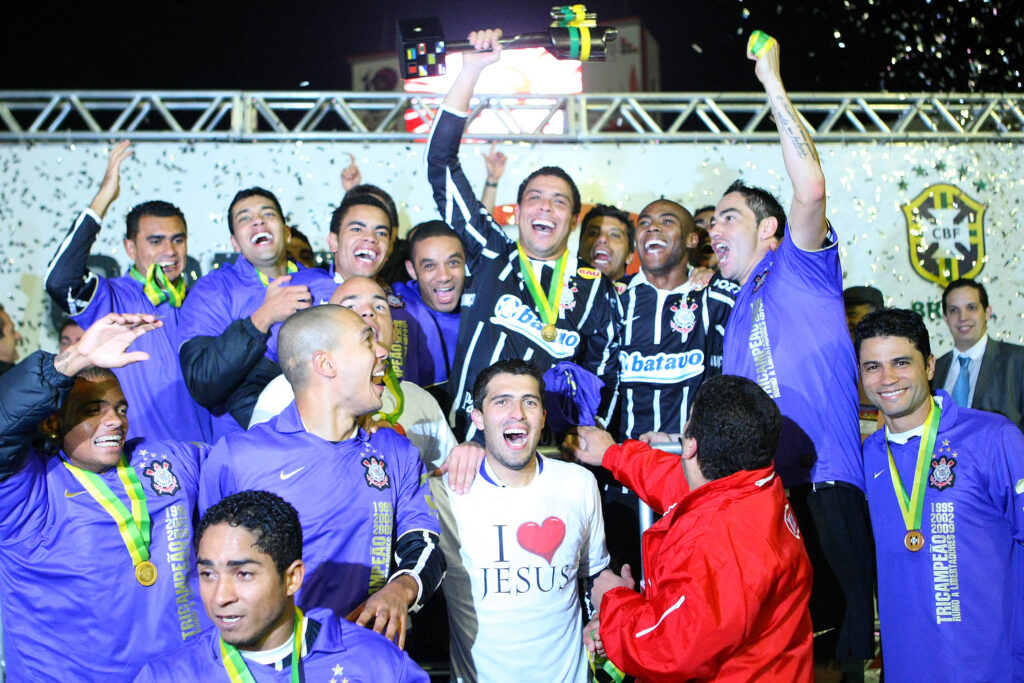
(946, 232)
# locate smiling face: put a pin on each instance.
(360, 386)
(258, 231)
(895, 377)
(511, 418)
(362, 242)
(966, 317)
(737, 239)
(94, 419)
(438, 264)
(604, 243)
(365, 297)
(661, 234)
(546, 217)
(246, 598)
(160, 240)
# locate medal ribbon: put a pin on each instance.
(912, 507)
(548, 310)
(158, 288)
(133, 526)
(235, 665)
(395, 387)
(597, 662)
(292, 268)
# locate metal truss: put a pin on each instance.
(37, 116)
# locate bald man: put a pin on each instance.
(410, 408)
(359, 495)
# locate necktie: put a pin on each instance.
(962, 388)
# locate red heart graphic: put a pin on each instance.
(542, 539)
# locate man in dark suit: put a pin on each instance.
(979, 372)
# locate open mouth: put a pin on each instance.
(261, 238)
(167, 266)
(367, 256)
(543, 227)
(378, 380)
(601, 257)
(227, 621)
(112, 441)
(655, 245)
(515, 437)
(721, 250)
(444, 295)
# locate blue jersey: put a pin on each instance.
(354, 499)
(73, 610)
(340, 651)
(154, 386)
(947, 610)
(788, 333)
(438, 331)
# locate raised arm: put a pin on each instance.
(473, 64)
(807, 212)
(495, 162)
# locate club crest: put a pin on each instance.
(946, 231)
(162, 479)
(376, 473)
(683, 318)
(568, 301)
(942, 475)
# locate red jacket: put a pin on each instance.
(727, 578)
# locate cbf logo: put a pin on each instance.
(946, 233)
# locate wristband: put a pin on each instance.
(490, 184)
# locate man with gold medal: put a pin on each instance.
(98, 532)
(945, 489)
(529, 299)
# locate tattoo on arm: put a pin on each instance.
(60, 363)
(788, 122)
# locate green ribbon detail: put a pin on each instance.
(912, 506)
(235, 665)
(158, 288)
(547, 305)
(395, 387)
(292, 268)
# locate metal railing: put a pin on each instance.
(69, 116)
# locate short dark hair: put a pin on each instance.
(428, 229)
(359, 199)
(763, 203)
(299, 235)
(893, 322)
(558, 172)
(512, 366)
(156, 208)
(601, 210)
(702, 209)
(252, 192)
(379, 193)
(736, 426)
(270, 518)
(64, 324)
(965, 282)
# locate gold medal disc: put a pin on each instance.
(548, 333)
(914, 540)
(145, 573)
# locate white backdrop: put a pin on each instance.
(43, 186)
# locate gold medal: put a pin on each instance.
(914, 540)
(548, 333)
(145, 573)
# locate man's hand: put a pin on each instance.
(280, 301)
(388, 609)
(461, 466)
(9, 338)
(495, 162)
(700, 278)
(592, 637)
(104, 344)
(110, 188)
(608, 580)
(767, 68)
(350, 175)
(488, 49)
(657, 437)
(588, 444)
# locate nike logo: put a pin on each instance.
(68, 494)
(291, 474)
(878, 473)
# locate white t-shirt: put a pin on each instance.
(513, 556)
(421, 418)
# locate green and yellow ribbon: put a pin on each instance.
(292, 268)
(600, 663)
(759, 43)
(912, 506)
(158, 288)
(393, 384)
(547, 305)
(133, 526)
(235, 665)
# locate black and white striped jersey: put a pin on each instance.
(671, 341)
(498, 317)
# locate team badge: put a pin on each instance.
(395, 300)
(790, 519)
(683, 318)
(162, 479)
(946, 231)
(620, 287)
(759, 280)
(376, 473)
(568, 301)
(942, 475)
(588, 273)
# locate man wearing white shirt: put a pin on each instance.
(979, 372)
